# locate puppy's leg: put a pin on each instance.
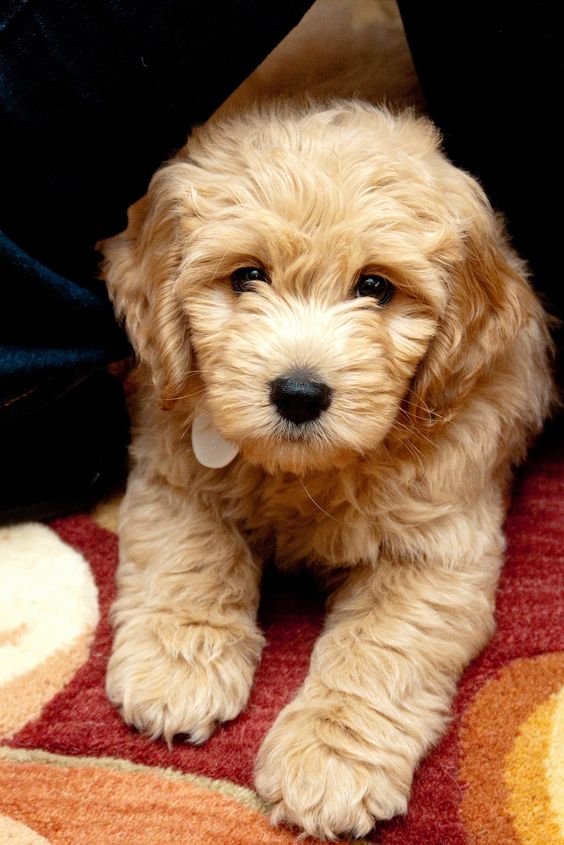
(342, 754)
(186, 643)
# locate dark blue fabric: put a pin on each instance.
(49, 322)
(493, 76)
(95, 95)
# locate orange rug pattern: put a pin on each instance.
(76, 801)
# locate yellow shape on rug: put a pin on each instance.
(534, 775)
(511, 755)
(555, 763)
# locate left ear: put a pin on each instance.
(140, 269)
(490, 304)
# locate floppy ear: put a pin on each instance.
(489, 304)
(140, 268)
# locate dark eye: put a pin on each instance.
(245, 277)
(377, 287)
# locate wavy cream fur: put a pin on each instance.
(396, 495)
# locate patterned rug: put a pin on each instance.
(71, 772)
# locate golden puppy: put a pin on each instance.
(342, 360)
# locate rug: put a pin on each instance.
(71, 772)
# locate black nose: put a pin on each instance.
(299, 398)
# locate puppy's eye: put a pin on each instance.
(377, 287)
(245, 277)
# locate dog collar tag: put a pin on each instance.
(210, 447)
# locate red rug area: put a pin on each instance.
(73, 772)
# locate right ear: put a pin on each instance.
(140, 268)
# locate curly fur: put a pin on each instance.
(396, 494)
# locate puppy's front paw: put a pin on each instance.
(169, 677)
(320, 774)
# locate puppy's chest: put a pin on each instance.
(317, 520)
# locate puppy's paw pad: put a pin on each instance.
(169, 679)
(326, 792)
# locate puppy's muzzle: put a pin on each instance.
(299, 398)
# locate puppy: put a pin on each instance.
(342, 359)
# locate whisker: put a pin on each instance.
(219, 263)
(186, 395)
(409, 445)
(416, 433)
(318, 506)
(196, 392)
(188, 422)
(187, 426)
(432, 414)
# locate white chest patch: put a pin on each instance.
(210, 447)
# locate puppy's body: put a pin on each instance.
(395, 488)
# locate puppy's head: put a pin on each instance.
(319, 269)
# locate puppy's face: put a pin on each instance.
(308, 262)
(306, 326)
